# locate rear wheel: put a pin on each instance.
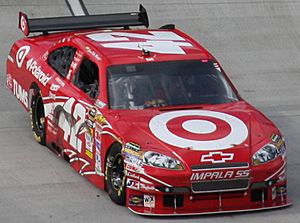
(38, 117)
(115, 178)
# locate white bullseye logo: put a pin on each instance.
(23, 23)
(21, 54)
(199, 126)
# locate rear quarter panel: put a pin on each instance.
(27, 64)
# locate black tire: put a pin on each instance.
(115, 178)
(38, 120)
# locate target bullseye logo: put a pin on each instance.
(23, 23)
(21, 54)
(199, 129)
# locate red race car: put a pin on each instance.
(148, 115)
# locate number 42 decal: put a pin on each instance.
(70, 122)
(164, 42)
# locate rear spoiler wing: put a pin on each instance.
(65, 23)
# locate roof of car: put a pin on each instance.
(134, 46)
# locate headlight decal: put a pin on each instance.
(135, 156)
(270, 151)
(163, 161)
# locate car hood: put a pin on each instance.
(204, 135)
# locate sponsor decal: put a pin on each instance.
(78, 56)
(219, 175)
(133, 184)
(89, 144)
(281, 190)
(54, 87)
(74, 65)
(94, 123)
(89, 124)
(98, 144)
(33, 67)
(21, 54)
(92, 112)
(217, 157)
(133, 154)
(100, 104)
(132, 175)
(98, 168)
(147, 187)
(92, 52)
(133, 159)
(100, 119)
(202, 127)
(164, 42)
(149, 201)
(20, 93)
(132, 146)
(89, 154)
(133, 168)
(277, 140)
(136, 200)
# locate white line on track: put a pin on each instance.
(76, 7)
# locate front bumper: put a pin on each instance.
(158, 203)
(266, 189)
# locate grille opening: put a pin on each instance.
(220, 185)
(169, 200)
(259, 195)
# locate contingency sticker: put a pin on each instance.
(149, 201)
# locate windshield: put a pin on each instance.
(171, 83)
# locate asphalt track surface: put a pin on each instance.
(256, 41)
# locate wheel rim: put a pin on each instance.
(117, 172)
(39, 114)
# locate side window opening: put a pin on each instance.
(87, 79)
(61, 59)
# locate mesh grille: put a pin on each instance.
(220, 185)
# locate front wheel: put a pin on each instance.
(38, 117)
(114, 175)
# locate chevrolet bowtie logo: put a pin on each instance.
(217, 157)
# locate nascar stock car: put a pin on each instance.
(148, 115)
